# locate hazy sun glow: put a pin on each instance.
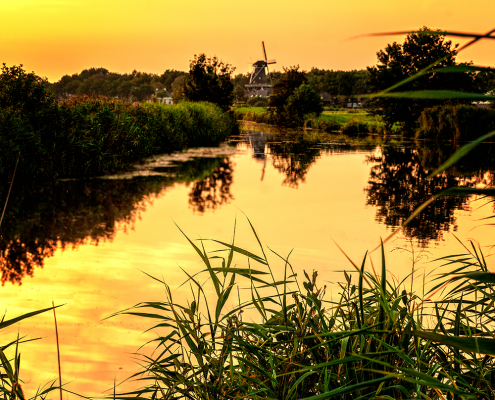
(58, 37)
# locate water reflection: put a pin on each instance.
(293, 153)
(398, 184)
(213, 190)
(40, 218)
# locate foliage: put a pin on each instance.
(302, 102)
(282, 90)
(355, 127)
(22, 91)
(209, 80)
(10, 382)
(398, 62)
(87, 136)
(100, 82)
(322, 124)
(340, 85)
(459, 123)
(373, 339)
(239, 93)
(257, 102)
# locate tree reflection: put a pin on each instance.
(41, 218)
(214, 190)
(294, 159)
(398, 184)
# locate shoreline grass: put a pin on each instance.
(349, 122)
(85, 136)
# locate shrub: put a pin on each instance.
(355, 127)
(252, 101)
(88, 137)
(455, 122)
(322, 124)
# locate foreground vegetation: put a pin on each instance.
(247, 333)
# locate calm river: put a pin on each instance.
(87, 244)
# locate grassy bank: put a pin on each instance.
(455, 122)
(87, 137)
(349, 122)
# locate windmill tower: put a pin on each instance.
(260, 83)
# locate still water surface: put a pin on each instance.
(86, 243)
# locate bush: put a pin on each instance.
(455, 122)
(261, 103)
(355, 127)
(88, 137)
(322, 124)
(302, 102)
(252, 101)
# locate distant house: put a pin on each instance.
(484, 104)
(326, 99)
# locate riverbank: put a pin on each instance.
(86, 136)
(349, 122)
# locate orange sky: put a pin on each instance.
(58, 37)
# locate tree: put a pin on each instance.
(282, 90)
(209, 80)
(397, 62)
(239, 93)
(304, 101)
(25, 92)
(293, 98)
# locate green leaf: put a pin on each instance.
(470, 344)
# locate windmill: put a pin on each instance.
(260, 83)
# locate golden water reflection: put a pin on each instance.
(97, 243)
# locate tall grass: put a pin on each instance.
(10, 362)
(88, 137)
(455, 122)
(247, 333)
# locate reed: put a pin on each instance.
(286, 340)
(455, 122)
(10, 381)
(88, 137)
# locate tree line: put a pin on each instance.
(140, 86)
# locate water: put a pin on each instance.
(86, 243)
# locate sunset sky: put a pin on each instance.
(58, 37)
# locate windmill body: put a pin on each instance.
(260, 83)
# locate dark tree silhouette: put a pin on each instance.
(209, 79)
(399, 61)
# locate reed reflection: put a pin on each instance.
(40, 218)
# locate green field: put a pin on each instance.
(343, 117)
